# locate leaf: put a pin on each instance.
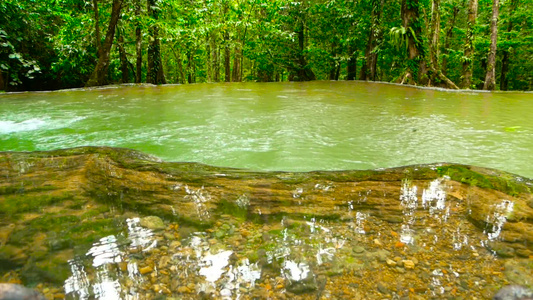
(512, 128)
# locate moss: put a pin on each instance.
(499, 181)
(16, 204)
(231, 208)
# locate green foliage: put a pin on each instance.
(52, 43)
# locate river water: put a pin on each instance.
(281, 126)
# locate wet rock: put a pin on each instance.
(514, 292)
(305, 285)
(518, 272)
(153, 223)
(382, 288)
(358, 249)
(503, 250)
(408, 264)
(10, 291)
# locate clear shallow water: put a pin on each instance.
(281, 126)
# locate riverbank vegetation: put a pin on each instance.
(475, 44)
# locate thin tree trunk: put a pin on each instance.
(227, 58)
(97, 27)
(368, 71)
(179, 62)
(191, 68)
(469, 45)
(155, 73)
(215, 58)
(504, 81)
(434, 48)
(351, 67)
(3, 83)
(123, 59)
(138, 43)
(410, 21)
(98, 77)
(490, 79)
(449, 36)
(236, 76)
(208, 54)
(333, 69)
(435, 30)
(303, 72)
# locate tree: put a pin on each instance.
(155, 73)
(368, 70)
(434, 66)
(469, 45)
(490, 78)
(98, 77)
(138, 42)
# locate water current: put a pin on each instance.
(281, 126)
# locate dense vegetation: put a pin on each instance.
(52, 44)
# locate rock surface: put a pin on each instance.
(363, 234)
(18, 292)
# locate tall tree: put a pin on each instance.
(434, 66)
(138, 42)
(490, 78)
(449, 37)
(97, 26)
(368, 70)
(155, 73)
(98, 77)
(469, 45)
(504, 81)
(412, 32)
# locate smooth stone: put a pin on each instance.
(152, 222)
(513, 292)
(358, 249)
(382, 288)
(408, 264)
(9, 291)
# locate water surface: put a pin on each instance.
(281, 126)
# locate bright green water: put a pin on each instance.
(281, 126)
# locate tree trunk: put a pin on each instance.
(504, 81)
(466, 82)
(302, 72)
(3, 83)
(180, 78)
(436, 74)
(227, 58)
(333, 69)
(368, 71)
(351, 67)
(435, 30)
(123, 59)
(138, 43)
(449, 36)
(155, 72)
(236, 76)
(490, 79)
(208, 60)
(98, 77)
(412, 23)
(97, 27)
(215, 58)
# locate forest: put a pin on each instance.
(456, 44)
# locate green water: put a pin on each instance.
(281, 126)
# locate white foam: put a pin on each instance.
(27, 125)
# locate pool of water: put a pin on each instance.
(281, 126)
